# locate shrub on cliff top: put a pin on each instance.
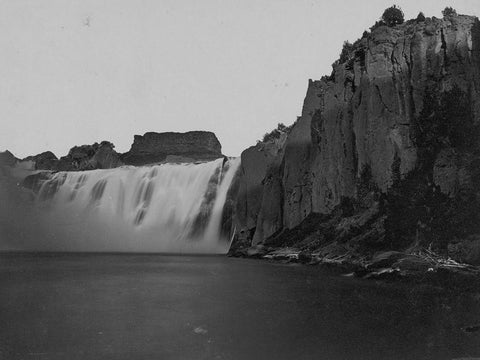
(393, 16)
(449, 11)
(346, 49)
(276, 133)
(420, 17)
(377, 24)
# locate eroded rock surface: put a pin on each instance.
(156, 147)
(43, 161)
(7, 158)
(390, 141)
(148, 149)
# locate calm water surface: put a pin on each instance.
(85, 306)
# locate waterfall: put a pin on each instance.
(161, 208)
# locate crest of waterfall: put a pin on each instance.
(161, 208)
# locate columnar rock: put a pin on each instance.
(259, 199)
(400, 113)
(157, 147)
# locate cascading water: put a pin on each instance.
(161, 208)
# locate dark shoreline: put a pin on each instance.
(393, 267)
(184, 307)
(454, 279)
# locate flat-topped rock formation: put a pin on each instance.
(148, 149)
(157, 147)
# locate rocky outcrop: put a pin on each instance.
(259, 197)
(44, 161)
(89, 157)
(148, 149)
(386, 146)
(158, 147)
(79, 158)
(7, 158)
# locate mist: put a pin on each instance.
(163, 208)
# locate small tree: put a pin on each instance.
(377, 25)
(107, 143)
(393, 16)
(346, 49)
(276, 133)
(420, 17)
(449, 11)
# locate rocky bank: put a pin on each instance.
(385, 156)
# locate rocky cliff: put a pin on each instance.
(157, 147)
(147, 149)
(79, 158)
(386, 153)
(7, 158)
(43, 161)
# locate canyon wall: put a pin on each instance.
(394, 129)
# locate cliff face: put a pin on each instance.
(259, 204)
(395, 129)
(156, 147)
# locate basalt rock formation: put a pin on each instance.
(386, 153)
(79, 158)
(148, 149)
(43, 161)
(170, 146)
(7, 158)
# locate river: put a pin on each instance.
(128, 306)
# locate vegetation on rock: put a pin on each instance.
(418, 211)
(445, 121)
(420, 17)
(393, 16)
(449, 11)
(346, 50)
(276, 133)
(419, 188)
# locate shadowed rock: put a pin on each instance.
(157, 147)
(386, 151)
(44, 161)
(7, 159)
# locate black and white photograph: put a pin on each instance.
(239, 180)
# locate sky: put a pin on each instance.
(79, 72)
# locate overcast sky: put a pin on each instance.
(77, 72)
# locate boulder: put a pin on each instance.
(413, 264)
(385, 259)
(466, 251)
